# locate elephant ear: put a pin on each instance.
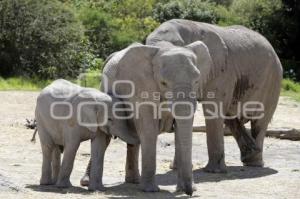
(204, 61)
(133, 63)
(217, 48)
(89, 113)
(88, 117)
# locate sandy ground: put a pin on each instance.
(20, 162)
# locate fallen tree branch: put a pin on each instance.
(284, 133)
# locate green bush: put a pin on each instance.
(98, 30)
(197, 10)
(291, 89)
(113, 25)
(289, 85)
(41, 38)
(278, 21)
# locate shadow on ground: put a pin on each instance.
(125, 190)
(234, 172)
(54, 189)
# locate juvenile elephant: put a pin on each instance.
(68, 114)
(244, 69)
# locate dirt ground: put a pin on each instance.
(20, 162)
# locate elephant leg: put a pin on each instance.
(132, 164)
(148, 130)
(55, 163)
(67, 165)
(148, 146)
(215, 146)
(84, 181)
(46, 178)
(258, 131)
(173, 164)
(245, 140)
(98, 148)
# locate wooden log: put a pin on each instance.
(284, 133)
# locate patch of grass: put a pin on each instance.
(89, 79)
(22, 83)
(291, 89)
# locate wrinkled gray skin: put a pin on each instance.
(163, 70)
(57, 135)
(244, 68)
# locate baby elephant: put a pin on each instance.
(68, 114)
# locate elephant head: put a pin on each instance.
(176, 73)
(94, 111)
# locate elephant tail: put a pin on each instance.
(33, 136)
(31, 124)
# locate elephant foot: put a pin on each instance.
(54, 180)
(132, 176)
(63, 184)
(187, 188)
(84, 181)
(254, 160)
(216, 166)
(96, 188)
(149, 187)
(46, 182)
(132, 179)
(254, 163)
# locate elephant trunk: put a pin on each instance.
(184, 112)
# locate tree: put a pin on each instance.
(41, 38)
(279, 22)
(197, 10)
(113, 25)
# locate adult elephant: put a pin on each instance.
(158, 86)
(245, 71)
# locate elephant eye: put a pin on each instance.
(163, 83)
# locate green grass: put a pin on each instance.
(21, 83)
(90, 79)
(291, 89)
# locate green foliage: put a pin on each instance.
(257, 14)
(40, 37)
(62, 38)
(113, 25)
(278, 21)
(291, 89)
(223, 2)
(290, 85)
(98, 29)
(129, 29)
(23, 83)
(91, 78)
(197, 10)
